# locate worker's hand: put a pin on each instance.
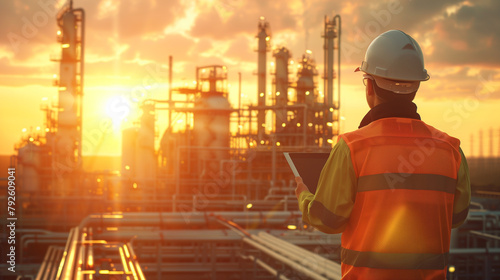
(300, 187)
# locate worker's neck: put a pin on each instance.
(374, 101)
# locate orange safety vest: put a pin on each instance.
(401, 221)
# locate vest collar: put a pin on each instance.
(394, 109)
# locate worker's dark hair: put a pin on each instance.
(387, 95)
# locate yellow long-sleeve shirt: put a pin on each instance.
(329, 208)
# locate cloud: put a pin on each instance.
(458, 31)
(369, 19)
(132, 18)
(241, 49)
(469, 36)
(26, 24)
(159, 50)
(226, 19)
(462, 82)
(6, 68)
(123, 36)
(18, 75)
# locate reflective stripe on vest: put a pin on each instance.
(394, 260)
(403, 211)
(388, 181)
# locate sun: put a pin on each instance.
(118, 108)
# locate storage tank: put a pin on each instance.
(211, 118)
(28, 168)
(138, 167)
(305, 82)
(306, 95)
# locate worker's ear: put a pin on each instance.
(369, 88)
(370, 94)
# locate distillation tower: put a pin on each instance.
(50, 160)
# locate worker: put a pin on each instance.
(396, 186)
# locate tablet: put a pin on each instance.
(308, 166)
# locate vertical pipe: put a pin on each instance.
(82, 61)
(339, 28)
(263, 43)
(213, 260)
(158, 260)
(170, 105)
(329, 36)
(325, 58)
(471, 144)
(239, 104)
(273, 161)
(304, 130)
(491, 142)
(177, 172)
(331, 31)
(481, 143)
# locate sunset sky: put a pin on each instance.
(128, 40)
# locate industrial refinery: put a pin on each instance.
(209, 197)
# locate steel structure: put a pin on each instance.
(331, 34)
(84, 258)
(264, 37)
(167, 245)
(211, 201)
(50, 160)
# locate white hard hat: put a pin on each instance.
(396, 62)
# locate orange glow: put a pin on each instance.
(125, 248)
(124, 260)
(139, 271)
(90, 261)
(112, 216)
(93, 242)
(117, 61)
(394, 225)
(349, 8)
(132, 268)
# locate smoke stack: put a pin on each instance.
(264, 37)
(481, 143)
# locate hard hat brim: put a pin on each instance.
(399, 87)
